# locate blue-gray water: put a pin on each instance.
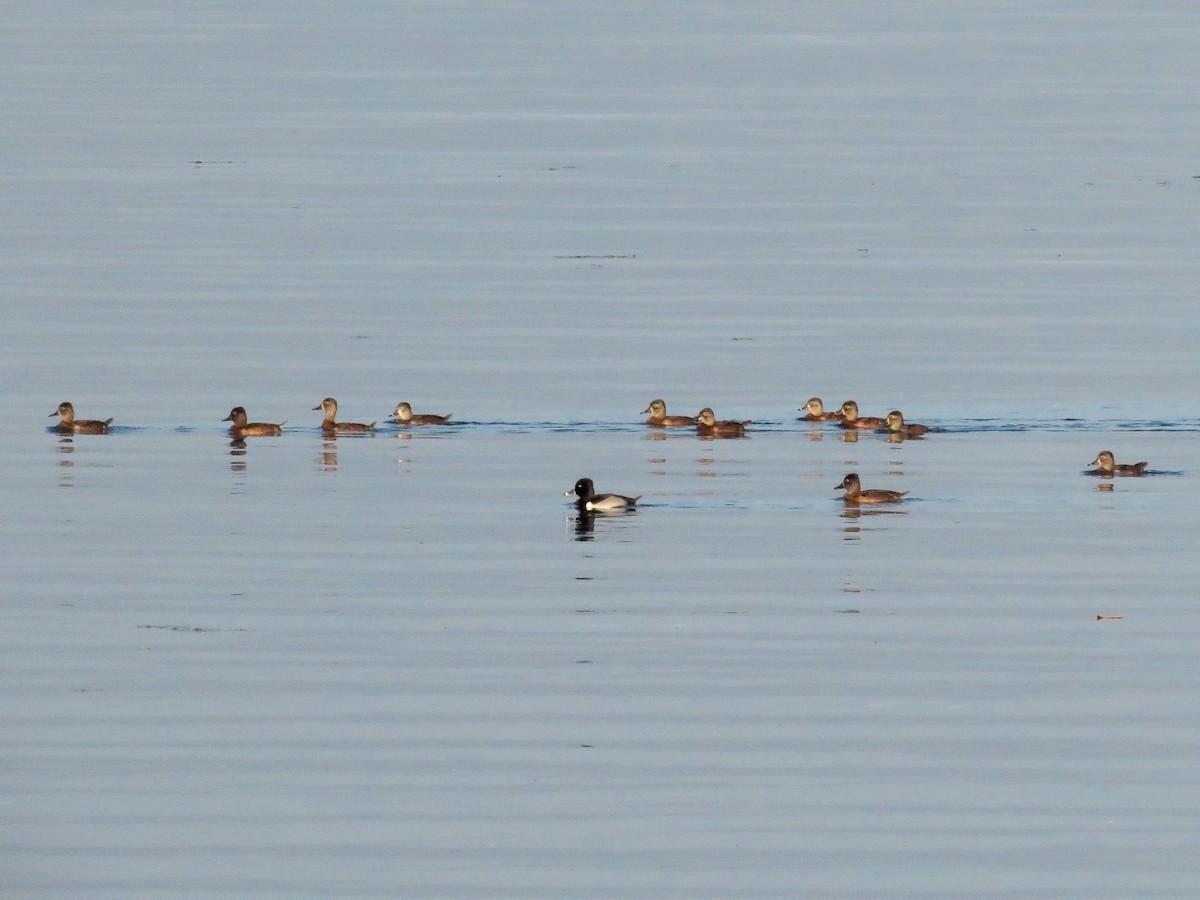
(400, 665)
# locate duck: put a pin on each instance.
(68, 424)
(330, 407)
(851, 418)
(855, 493)
(405, 416)
(814, 411)
(708, 426)
(589, 501)
(1106, 464)
(241, 428)
(896, 425)
(660, 419)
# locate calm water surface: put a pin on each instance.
(402, 664)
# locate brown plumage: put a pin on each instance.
(814, 411)
(405, 416)
(707, 425)
(1106, 464)
(660, 419)
(855, 493)
(330, 407)
(68, 424)
(241, 428)
(897, 425)
(851, 418)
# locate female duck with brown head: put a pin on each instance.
(707, 425)
(330, 425)
(404, 415)
(68, 424)
(1107, 465)
(814, 411)
(242, 428)
(659, 418)
(851, 418)
(856, 494)
(897, 425)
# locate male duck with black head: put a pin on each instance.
(330, 425)
(241, 428)
(588, 500)
(68, 424)
(1107, 466)
(708, 425)
(814, 411)
(659, 418)
(404, 415)
(851, 418)
(856, 494)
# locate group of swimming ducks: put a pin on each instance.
(587, 499)
(707, 425)
(241, 427)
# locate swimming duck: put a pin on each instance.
(330, 407)
(814, 411)
(855, 493)
(68, 424)
(897, 425)
(589, 501)
(851, 419)
(1107, 465)
(660, 419)
(405, 416)
(241, 428)
(708, 426)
